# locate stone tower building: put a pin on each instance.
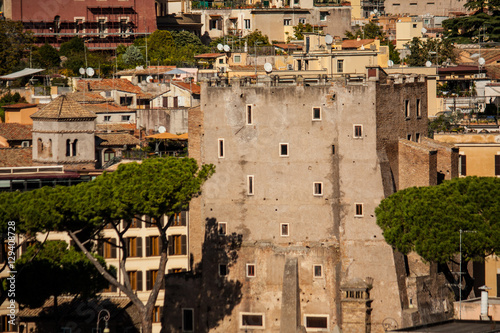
(63, 134)
(301, 165)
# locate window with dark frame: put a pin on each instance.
(418, 109)
(153, 246)
(252, 320)
(318, 271)
(250, 270)
(318, 188)
(462, 165)
(179, 219)
(283, 149)
(177, 245)
(284, 229)
(250, 185)
(316, 113)
(340, 66)
(187, 320)
(222, 228)
(497, 164)
(249, 115)
(407, 108)
(151, 276)
(135, 278)
(359, 209)
(358, 131)
(157, 314)
(417, 137)
(316, 322)
(223, 270)
(134, 246)
(221, 148)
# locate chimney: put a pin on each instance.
(484, 303)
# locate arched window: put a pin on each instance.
(49, 147)
(39, 146)
(74, 147)
(109, 154)
(68, 147)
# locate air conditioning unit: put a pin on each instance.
(289, 67)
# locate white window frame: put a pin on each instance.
(248, 24)
(354, 131)
(287, 149)
(318, 193)
(219, 224)
(250, 185)
(320, 113)
(287, 22)
(314, 329)
(323, 15)
(254, 270)
(287, 229)
(249, 117)
(314, 271)
(76, 18)
(244, 327)
(239, 58)
(120, 20)
(192, 316)
(107, 118)
(356, 205)
(25, 144)
(221, 147)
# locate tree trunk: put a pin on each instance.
(147, 324)
(467, 284)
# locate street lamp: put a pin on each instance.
(106, 317)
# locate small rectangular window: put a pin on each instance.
(187, 320)
(316, 113)
(223, 270)
(107, 118)
(318, 322)
(125, 118)
(250, 185)
(221, 148)
(407, 109)
(318, 271)
(250, 270)
(359, 210)
(251, 320)
(247, 24)
(222, 228)
(284, 149)
(322, 16)
(408, 137)
(418, 110)
(287, 22)
(284, 229)
(417, 137)
(237, 59)
(358, 131)
(497, 164)
(302, 19)
(462, 165)
(318, 188)
(249, 115)
(340, 66)
(414, 26)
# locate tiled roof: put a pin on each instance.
(116, 139)
(459, 68)
(19, 106)
(355, 44)
(107, 108)
(88, 97)
(108, 85)
(146, 71)
(288, 46)
(115, 127)
(16, 157)
(63, 107)
(209, 55)
(14, 131)
(193, 87)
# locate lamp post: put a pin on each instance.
(105, 317)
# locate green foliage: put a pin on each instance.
(433, 50)
(51, 269)
(8, 99)
(393, 53)
(298, 30)
(46, 57)
(481, 5)
(368, 31)
(442, 123)
(471, 28)
(133, 56)
(74, 46)
(14, 44)
(428, 220)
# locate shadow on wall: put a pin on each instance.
(198, 300)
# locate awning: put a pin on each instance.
(166, 136)
(24, 72)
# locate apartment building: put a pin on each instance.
(301, 166)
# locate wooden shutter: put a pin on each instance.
(463, 165)
(149, 280)
(148, 246)
(113, 247)
(183, 218)
(176, 103)
(139, 247)
(165, 102)
(100, 248)
(184, 244)
(139, 280)
(497, 165)
(170, 245)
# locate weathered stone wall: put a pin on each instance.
(447, 160)
(417, 165)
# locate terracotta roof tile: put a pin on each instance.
(116, 139)
(146, 71)
(19, 106)
(193, 87)
(108, 85)
(107, 108)
(88, 97)
(354, 43)
(115, 127)
(209, 55)
(63, 107)
(14, 131)
(16, 157)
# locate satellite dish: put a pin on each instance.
(81, 71)
(220, 47)
(149, 79)
(424, 31)
(362, 47)
(90, 71)
(481, 61)
(268, 67)
(428, 63)
(227, 48)
(375, 11)
(328, 39)
(390, 63)
(162, 129)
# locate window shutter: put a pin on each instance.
(183, 218)
(148, 280)
(497, 165)
(100, 248)
(113, 247)
(139, 280)
(463, 165)
(139, 247)
(148, 246)
(127, 246)
(184, 244)
(165, 102)
(170, 245)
